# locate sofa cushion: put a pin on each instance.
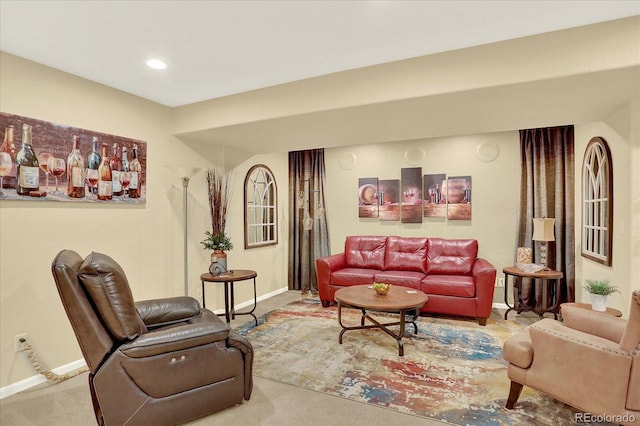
(365, 252)
(406, 254)
(454, 257)
(400, 278)
(353, 276)
(108, 288)
(449, 285)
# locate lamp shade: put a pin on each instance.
(543, 229)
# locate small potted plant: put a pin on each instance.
(598, 292)
(216, 242)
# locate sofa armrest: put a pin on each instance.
(324, 267)
(567, 363)
(160, 312)
(605, 326)
(484, 275)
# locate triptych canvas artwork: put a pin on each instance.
(415, 196)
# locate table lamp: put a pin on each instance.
(543, 230)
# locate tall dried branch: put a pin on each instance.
(219, 194)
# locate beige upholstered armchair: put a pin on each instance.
(154, 362)
(590, 361)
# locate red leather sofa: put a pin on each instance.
(448, 271)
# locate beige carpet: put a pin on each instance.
(69, 404)
(272, 403)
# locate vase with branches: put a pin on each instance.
(219, 191)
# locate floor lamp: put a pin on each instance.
(185, 190)
(192, 171)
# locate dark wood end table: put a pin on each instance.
(228, 279)
(401, 300)
(540, 276)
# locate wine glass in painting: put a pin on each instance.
(5, 169)
(125, 180)
(92, 180)
(56, 167)
(43, 161)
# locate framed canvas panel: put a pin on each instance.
(389, 199)
(435, 204)
(458, 192)
(368, 197)
(56, 162)
(411, 181)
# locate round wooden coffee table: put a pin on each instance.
(401, 300)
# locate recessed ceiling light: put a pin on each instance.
(156, 64)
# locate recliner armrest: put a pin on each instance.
(159, 312)
(237, 341)
(176, 338)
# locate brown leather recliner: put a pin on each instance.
(590, 361)
(159, 362)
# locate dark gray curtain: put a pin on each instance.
(306, 198)
(547, 190)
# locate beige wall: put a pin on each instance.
(495, 187)
(147, 240)
(495, 196)
(620, 130)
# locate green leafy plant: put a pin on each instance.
(216, 242)
(600, 287)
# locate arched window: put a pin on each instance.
(597, 202)
(260, 208)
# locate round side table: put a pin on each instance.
(587, 307)
(228, 279)
(542, 277)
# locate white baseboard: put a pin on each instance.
(32, 381)
(250, 302)
(502, 306)
(38, 379)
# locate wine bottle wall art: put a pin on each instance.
(45, 161)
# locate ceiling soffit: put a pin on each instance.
(566, 76)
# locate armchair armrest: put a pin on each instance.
(176, 338)
(568, 363)
(605, 326)
(159, 312)
(484, 275)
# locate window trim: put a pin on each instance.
(250, 202)
(597, 220)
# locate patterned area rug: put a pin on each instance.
(452, 370)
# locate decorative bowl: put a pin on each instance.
(529, 268)
(381, 288)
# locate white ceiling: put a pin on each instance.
(220, 48)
